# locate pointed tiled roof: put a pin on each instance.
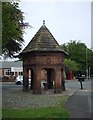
(42, 41)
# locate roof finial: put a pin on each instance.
(43, 22)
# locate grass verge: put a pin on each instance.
(57, 111)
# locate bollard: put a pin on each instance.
(81, 84)
(81, 79)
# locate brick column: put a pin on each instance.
(37, 81)
(57, 86)
(25, 79)
(63, 79)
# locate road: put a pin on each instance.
(70, 84)
(75, 85)
(80, 103)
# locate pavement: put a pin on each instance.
(80, 104)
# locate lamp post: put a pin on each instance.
(86, 65)
(89, 72)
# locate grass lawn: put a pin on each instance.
(57, 111)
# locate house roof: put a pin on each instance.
(9, 64)
(43, 41)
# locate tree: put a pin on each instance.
(77, 53)
(72, 65)
(89, 60)
(12, 28)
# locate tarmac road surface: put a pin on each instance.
(80, 104)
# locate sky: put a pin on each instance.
(65, 20)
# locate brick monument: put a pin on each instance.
(43, 53)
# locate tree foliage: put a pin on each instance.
(72, 65)
(12, 28)
(80, 54)
(76, 51)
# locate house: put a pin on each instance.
(10, 69)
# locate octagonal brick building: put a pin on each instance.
(43, 53)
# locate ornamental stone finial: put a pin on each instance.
(43, 22)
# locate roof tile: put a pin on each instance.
(42, 41)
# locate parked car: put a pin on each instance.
(19, 80)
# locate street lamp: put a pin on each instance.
(86, 65)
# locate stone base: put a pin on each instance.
(63, 89)
(58, 91)
(36, 91)
(25, 89)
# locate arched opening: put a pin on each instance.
(43, 79)
(48, 80)
(28, 79)
(52, 79)
(31, 76)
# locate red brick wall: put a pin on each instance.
(44, 59)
